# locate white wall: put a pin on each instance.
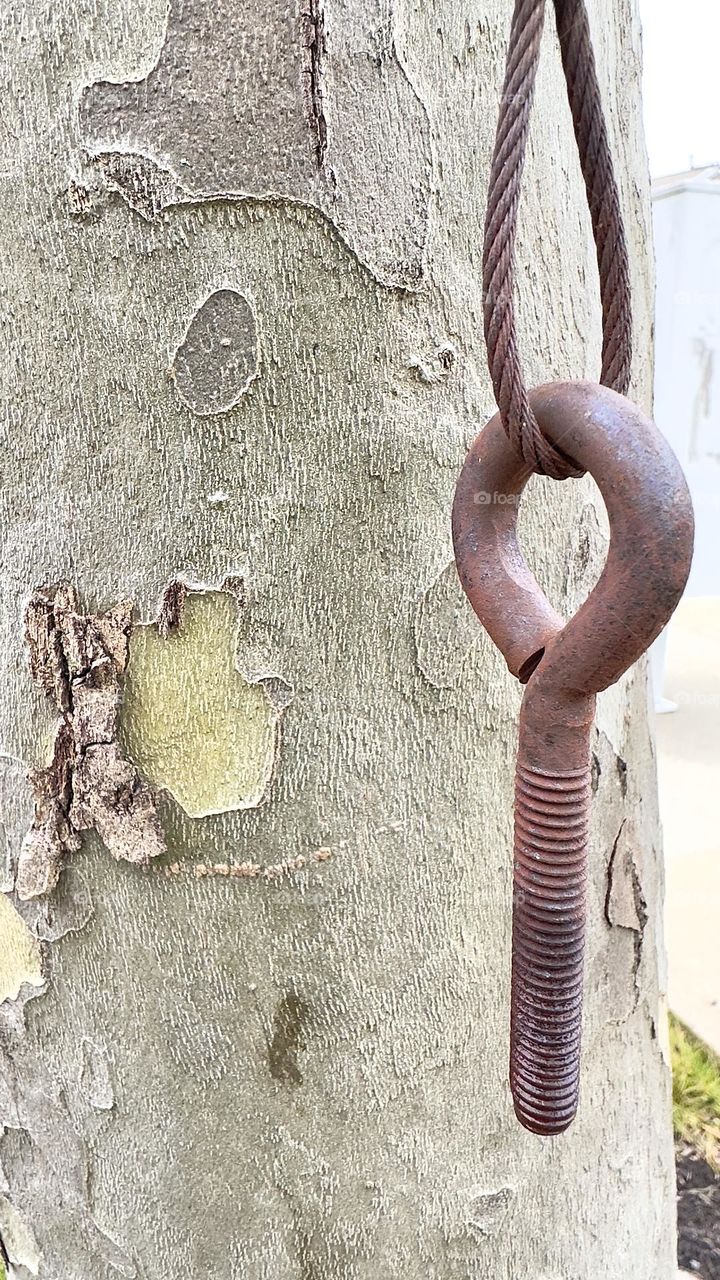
(687, 370)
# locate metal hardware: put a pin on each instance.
(564, 666)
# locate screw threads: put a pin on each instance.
(551, 829)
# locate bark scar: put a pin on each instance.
(172, 607)
(79, 661)
(625, 903)
(289, 1026)
(313, 20)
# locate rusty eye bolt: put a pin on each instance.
(564, 665)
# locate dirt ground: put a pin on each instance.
(698, 1197)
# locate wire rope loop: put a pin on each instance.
(518, 419)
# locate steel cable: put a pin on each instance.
(508, 161)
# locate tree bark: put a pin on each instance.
(255, 948)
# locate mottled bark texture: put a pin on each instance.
(240, 275)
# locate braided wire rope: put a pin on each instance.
(506, 172)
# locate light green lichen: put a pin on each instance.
(19, 953)
(192, 724)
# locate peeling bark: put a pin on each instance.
(488, 1208)
(18, 1247)
(625, 903)
(172, 607)
(79, 661)
(285, 106)
(218, 357)
(197, 722)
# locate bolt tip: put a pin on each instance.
(543, 1126)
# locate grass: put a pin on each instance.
(696, 1092)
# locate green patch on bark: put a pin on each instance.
(19, 954)
(190, 721)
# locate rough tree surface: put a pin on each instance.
(240, 275)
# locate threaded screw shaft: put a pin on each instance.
(550, 874)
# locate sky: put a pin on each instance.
(681, 90)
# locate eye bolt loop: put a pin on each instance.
(564, 665)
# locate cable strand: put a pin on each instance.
(603, 199)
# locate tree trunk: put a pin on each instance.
(256, 961)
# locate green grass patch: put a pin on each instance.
(696, 1092)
